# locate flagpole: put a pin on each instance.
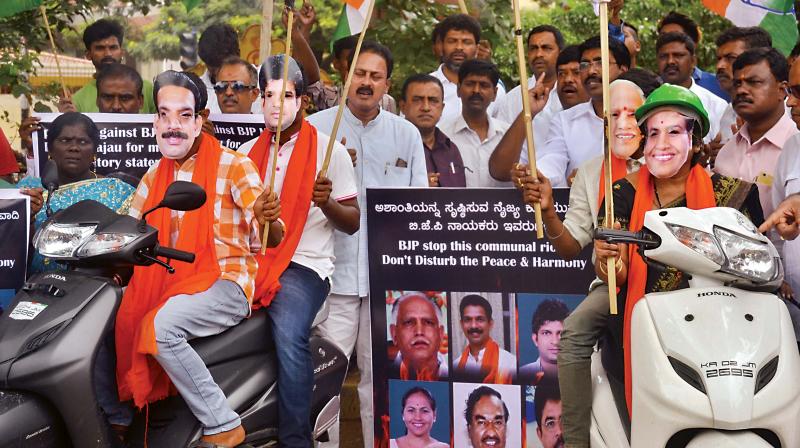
(55, 51)
(285, 74)
(266, 30)
(526, 110)
(324, 171)
(462, 5)
(611, 263)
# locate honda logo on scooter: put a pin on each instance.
(716, 293)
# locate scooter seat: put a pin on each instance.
(251, 336)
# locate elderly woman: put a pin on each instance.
(419, 415)
(674, 124)
(72, 142)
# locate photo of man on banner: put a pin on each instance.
(542, 316)
(486, 416)
(417, 329)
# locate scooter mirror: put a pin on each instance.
(183, 196)
(50, 182)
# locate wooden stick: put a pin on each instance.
(526, 110)
(324, 171)
(55, 51)
(462, 5)
(287, 55)
(607, 181)
(265, 39)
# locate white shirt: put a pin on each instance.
(511, 106)
(715, 107)
(474, 152)
(507, 364)
(576, 135)
(315, 248)
(452, 103)
(787, 182)
(389, 154)
(213, 104)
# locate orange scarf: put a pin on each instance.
(619, 169)
(139, 376)
(490, 364)
(420, 375)
(699, 195)
(298, 186)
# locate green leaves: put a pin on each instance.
(11, 7)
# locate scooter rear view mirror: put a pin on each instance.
(180, 195)
(50, 182)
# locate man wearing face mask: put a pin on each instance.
(294, 279)
(160, 313)
(387, 152)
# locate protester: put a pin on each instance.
(417, 332)
(460, 34)
(675, 22)
(119, 90)
(569, 92)
(422, 103)
(207, 296)
(674, 123)
(547, 408)
(294, 279)
(72, 141)
(547, 323)
(676, 62)
(419, 415)
(760, 78)
(632, 42)
(487, 418)
(794, 54)
(216, 43)
(474, 131)
(103, 40)
(483, 360)
(8, 162)
(366, 130)
(236, 88)
(576, 134)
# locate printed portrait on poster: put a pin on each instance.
(417, 335)
(420, 414)
(543, 415)
(483, 337)
(486, 415)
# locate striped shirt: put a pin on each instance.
(236, 230)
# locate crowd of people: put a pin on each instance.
(680, 136)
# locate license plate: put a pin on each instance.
(27, 310)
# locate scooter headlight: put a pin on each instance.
(103, 243)
(701, 242)
(61, 240)
(747, 257)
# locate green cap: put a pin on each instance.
(678, 98)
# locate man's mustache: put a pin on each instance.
(671, 67)
(490, 438)
(175, 134)
(475, 331)
(742, 99)
(475, 96)
(108, 60)
(364, 90)
(596, 78)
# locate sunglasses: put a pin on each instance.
(236, 86)
(794, 91)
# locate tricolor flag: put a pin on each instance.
(775, 16)
(9, 8)
(354, 15)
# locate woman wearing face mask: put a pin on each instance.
(674, 123)
(419, 415)
(72, 141)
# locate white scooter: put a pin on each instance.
(715, 365)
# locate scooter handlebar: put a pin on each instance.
(174, 254)
(644, 239)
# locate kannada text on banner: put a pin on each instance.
(467, 309)
(14, 237)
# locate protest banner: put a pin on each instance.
(452, 269)
(14, 237)
(128, 142)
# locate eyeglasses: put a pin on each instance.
(794, 91)
(597, 64)
(236, 86)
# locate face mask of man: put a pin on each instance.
(625, 133)
(176, 124)
(272, 104)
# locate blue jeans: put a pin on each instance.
(292, 312)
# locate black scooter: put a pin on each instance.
(50, 335)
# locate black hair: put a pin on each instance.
(102, 29)
(795, 51)
(477, 394)
(115, 71)
(436, 34)
(546, 390)
(775, 60)
(460, 22)
(617, 48)
(420, 78)
(236, 60)
(475, 300)
(217, 42)
(180, 79)
(345, 43)
(752, 36)
(668, 38)
(550, 310)
(370, 46)
(201, 87)
(633, 28)
(71, 119)
(689, 26)
(272, 68)
(547, 29)
(570, 53)
(418, 390)
(644, 78)
(480, 68)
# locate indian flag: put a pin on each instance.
(9, 8)
(775, 16)
(352, 20)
